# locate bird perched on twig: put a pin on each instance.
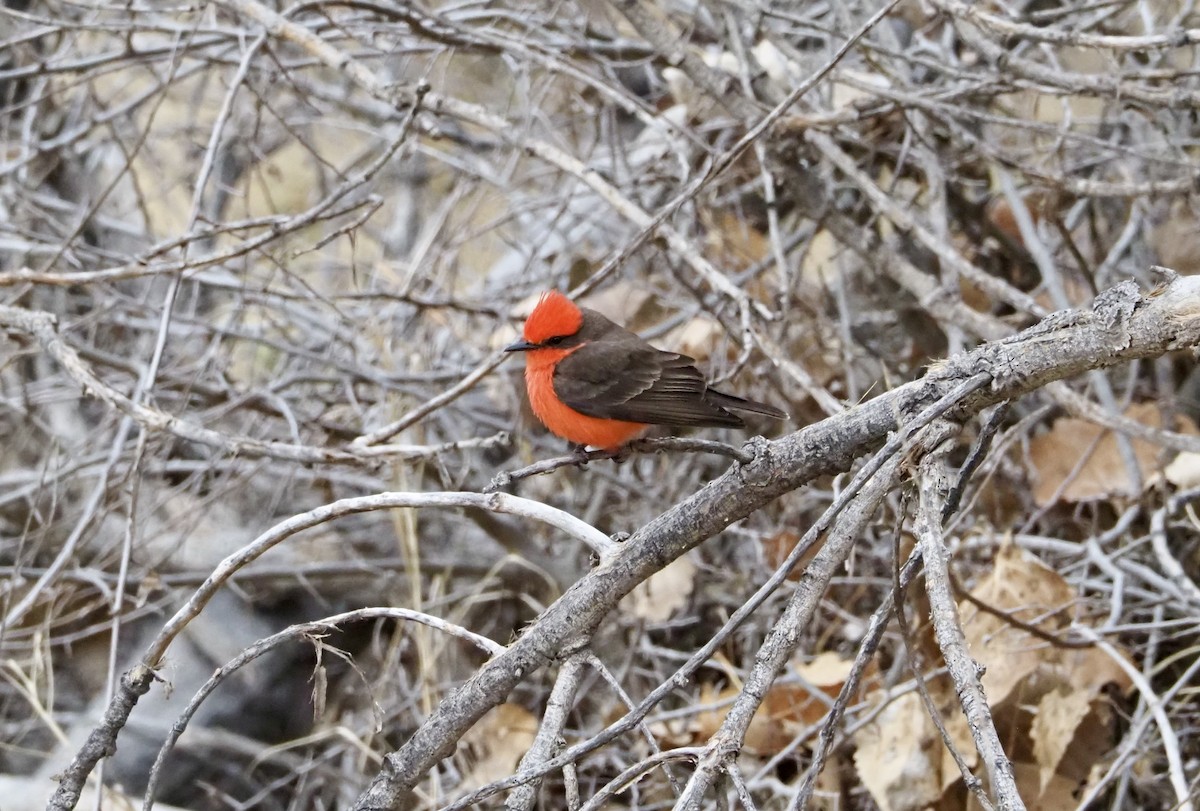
(595, 383)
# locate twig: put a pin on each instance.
(1170, 741)
(1100, 83)
(433, 404)
(906, 221)
(965, 671)
(979, 452)
(847, 496)
(915, 664)
(549, 734)
(102, 740)
(1179, 38)
(136, 682)
(1171, 567)
(1007, 617)
(786, 633)
(645, 445)
(628, 776)
(300, 631)
(866, 651)
(41, 326)
(1133, 746)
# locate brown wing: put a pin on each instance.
(624, 378)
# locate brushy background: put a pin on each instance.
(252, 231)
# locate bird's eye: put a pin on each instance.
(556, 340)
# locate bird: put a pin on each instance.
(595, 383)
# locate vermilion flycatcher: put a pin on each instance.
(595, 383)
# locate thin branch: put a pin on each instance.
(42, 326)
(645, 445)
(136, 682)
(965, 671)
(312, 629)
(548, 740)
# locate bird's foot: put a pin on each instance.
(580, 454)
(619, 455)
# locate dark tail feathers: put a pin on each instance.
(732, 403)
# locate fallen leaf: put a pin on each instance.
(898, 757)
(1059, 714)
(789, 707)
(1059, 793)
(497, 743)
(1184, 470)
(820, 265)
(1048, 701)
(663, 593)
(1176, 239)
(1000, 214)
(1092, 669)
(734, 242)
(827, 670)
(777, 547)
(630, 305)
(846, 94)
(1031, 592)
(784, 72)
(1073, 443)
(697, 338)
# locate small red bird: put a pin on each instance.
(595, 383)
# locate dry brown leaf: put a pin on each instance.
(698, 338)
(630, 305)
(1091, 670)
(1176, 240)
(768, 732)
(1059, 714)
(848, 93)
(898, 757)
(786, 710)
(945, 699)
(1059, 793)
(663, 593)
(1000, 214)
(1021, 585)
(736, 243)
(827, 670)
(1184, 470)
(829, 794)
(820, 266)
(778, 719)
(789, 708)
(781, 70)
(1103, 474)
(777, 547)
(497, 743)
(704, 724)
(1054, 748)
(1072, 726)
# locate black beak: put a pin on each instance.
(520, 346)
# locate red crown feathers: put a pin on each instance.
(555, 315)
